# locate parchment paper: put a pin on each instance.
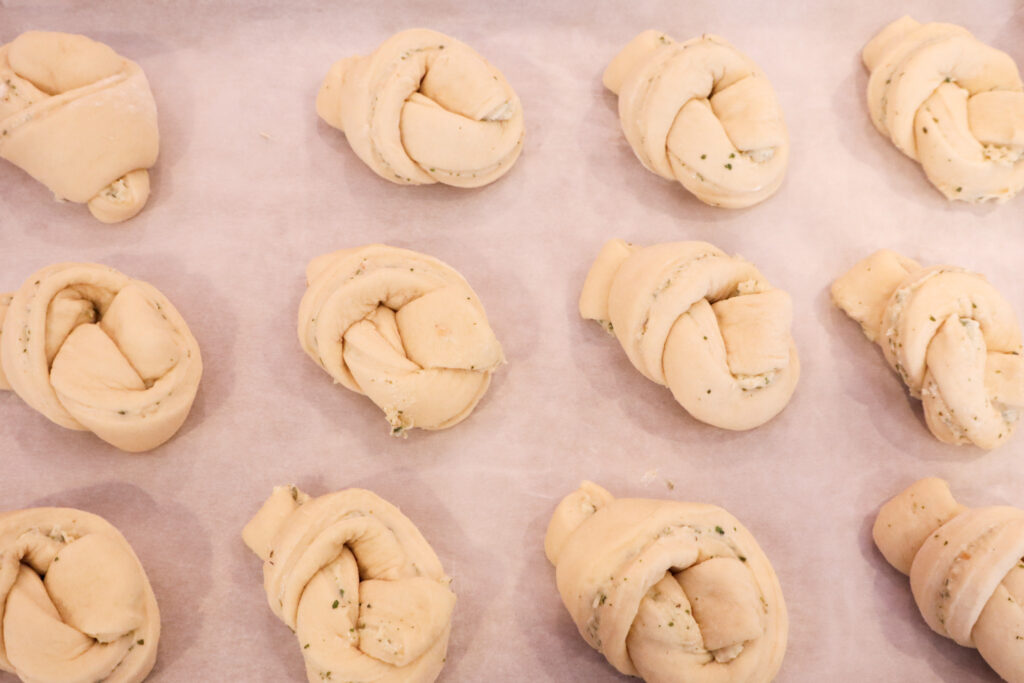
(250, 185)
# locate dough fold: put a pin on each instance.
(425, 108)
(706, 325)
(667, 591)
(952, 338)
(951, 103)
(356, 582)
(966, 568)
(80, 119)
(75, 603)
(702, 113)
(402, 328)
(93, 349)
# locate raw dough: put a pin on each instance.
(951, 103)
(93, 349)
(402, 328)
(75, 603)
(702, 113)
(425, 108)
(706, 325)
(80, 119)
(951, 337)
(966, 568)
(356, 582)
(671, 592)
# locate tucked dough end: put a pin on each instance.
(122, 199)
(905, 522)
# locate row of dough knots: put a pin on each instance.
(966, 568)
(952, 103)
(80, 119)
(93, 349)
(355, 580)
(75, 603)
(707, 325)
(702, 113)
(666, 590)
(403, 328)
(952, 338)
(425, 108)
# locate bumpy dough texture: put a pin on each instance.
(951, 337)
(93, 349)
(951, 103)
(966, 568)
(75, 603)
(671, 592)
(402, 328)
(356, 582)
(80, 119)
(705, 324)
(702, 113)
(425, 108)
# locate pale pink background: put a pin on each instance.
(234, 217)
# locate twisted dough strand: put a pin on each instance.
(75, 603)
(952, 103)
(706, 325)
(80, 119)
(425, 108)
(951, 337)
(966, 568)
(93, 349)
(403, 328)
(667, 591)
(702, 113)
(358, 584)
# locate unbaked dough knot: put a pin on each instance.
(425, 108)
(80, 119)
(668, 591)
(705, 324)
(403, 328)
(75, 603)
(355, 580)
(702, 113)
(952, 338)
(93, 349)
(952, 103)
(966, 568)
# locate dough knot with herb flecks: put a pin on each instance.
(702, 113)
(667, 591)
(80, 119)
(403, 328)
(93, 349)
(966, 569)
(952, 338)
(356, 582)
(425, 108)
(952, 103)
(75, 603)
(705, 324)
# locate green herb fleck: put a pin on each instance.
(719, 530)
(334, 605)
(729, 166)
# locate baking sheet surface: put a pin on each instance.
(250, 185)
